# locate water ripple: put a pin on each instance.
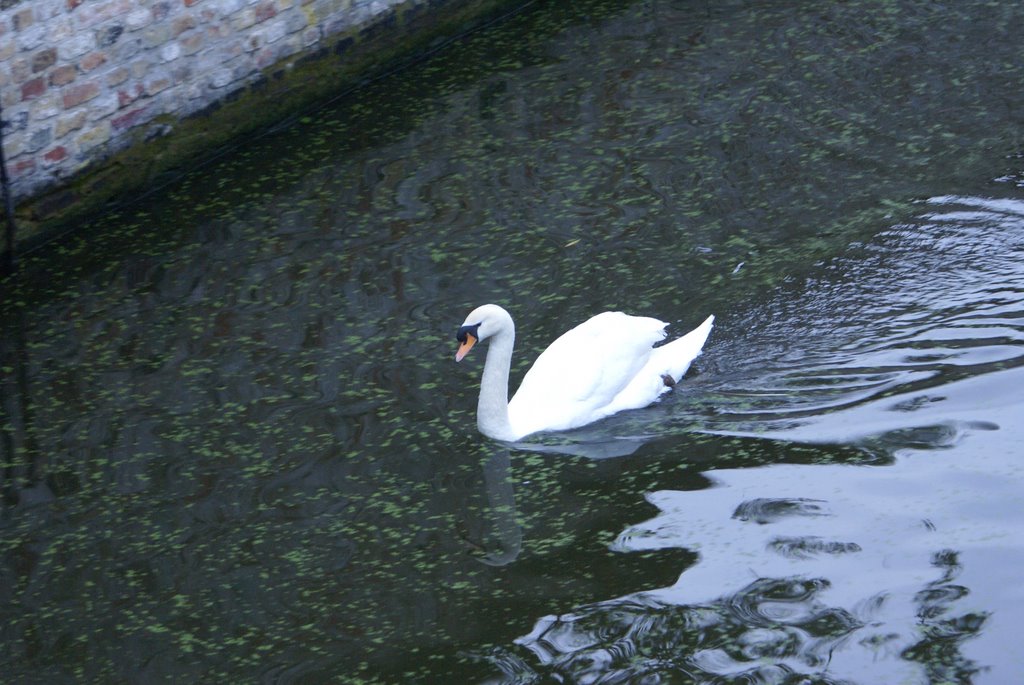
(761, 633)
(936, 301)
(769, 510)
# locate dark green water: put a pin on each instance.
(236, 447)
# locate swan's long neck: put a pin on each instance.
(492, 407)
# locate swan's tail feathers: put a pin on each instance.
(677, 355)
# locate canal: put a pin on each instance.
(236, 447)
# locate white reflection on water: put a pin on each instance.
(913, 350)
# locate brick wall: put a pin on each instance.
(81, 79)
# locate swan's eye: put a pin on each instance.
(468, 330)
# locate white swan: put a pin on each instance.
(605, 365)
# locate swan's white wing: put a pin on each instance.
(675, 358)
(583, 371)
(672, 360)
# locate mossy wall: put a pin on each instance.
(104, 97)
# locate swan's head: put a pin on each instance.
(483, 322)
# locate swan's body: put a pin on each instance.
(605, 365)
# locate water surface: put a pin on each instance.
(237, 448)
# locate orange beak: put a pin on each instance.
(465, 347)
